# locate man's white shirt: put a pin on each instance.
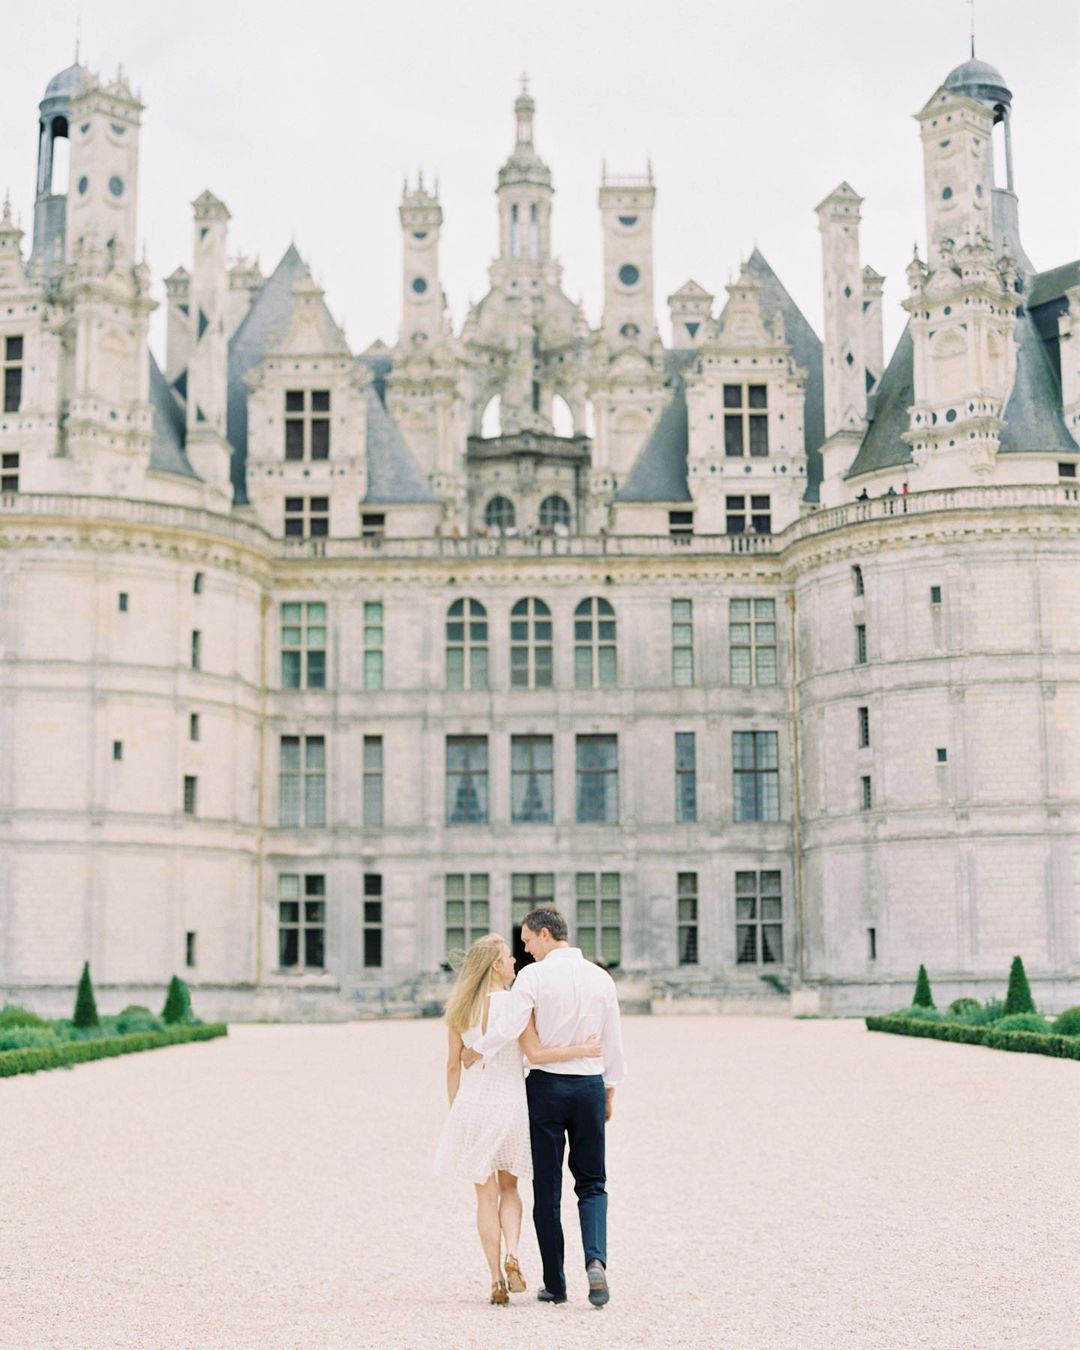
(573, 999)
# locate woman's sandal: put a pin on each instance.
(499, 1293)
(514, 1278)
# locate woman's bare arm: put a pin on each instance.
(453, 1065)
(536, 1053)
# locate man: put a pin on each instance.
(573, 1000)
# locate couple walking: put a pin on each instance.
(563, 1015)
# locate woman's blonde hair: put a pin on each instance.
(465, 1007)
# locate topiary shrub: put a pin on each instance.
(86, 1013)
(920, 1014)
(1067, 1023)
(923, 997)
(965, 1007)
(177, 1007)
(135, 1018)
(11, 1015)
(1025, 1021)
(982, 1015)
(1018, 998)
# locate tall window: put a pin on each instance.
(598, 779)
(373, 920)
(864, 727)
(746, 420)
(554, 511)
(532, 792)
(302, 781)
(301, 921)
(752, 633)
(196, 649)
(755, 757)
(303, 645)
(307, 517)
(13, 373)
(866, 793)
(748, 515)
(685, 778)
(191, 795)
(373, 782)
(594, 644)
(499, 513)
(857, 582)
(307, 424)
(466, 645)
(9, 471)
(530, 645)
(373, 644)
(466, 780)
(860, 644)
(468, 909)
(528, 891)
(682, 642)
(599, 922)
(687, 922)
(759, 935)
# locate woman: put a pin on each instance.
(486, 1137)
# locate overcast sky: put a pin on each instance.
(305, 118)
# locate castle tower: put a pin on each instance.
(422, 301)
(957, 168)
(51, 194)
(843, 355)
(524, 193)
(873, 283)
(626, 212)
(102, 201)
(207, 377)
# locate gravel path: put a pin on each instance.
(773, 1184)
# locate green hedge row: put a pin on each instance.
(66, 1053)
(1027, 1042)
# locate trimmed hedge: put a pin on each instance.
(63, 1054)
(1026, 1042)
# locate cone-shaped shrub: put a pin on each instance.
(1018, 999)
(177, 1002)
(923, 997)
(86, 1014)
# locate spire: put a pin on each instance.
(524, 108)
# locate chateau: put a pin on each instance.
(758, 654)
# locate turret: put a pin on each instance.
(873, 283)
(102, 201)
(844, 351)
(422, 301)
(178, 323)
(690, 308)
(524, 193)
(626, 212)
(53, 171)
(957, 168)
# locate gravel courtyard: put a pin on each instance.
(773, 1183)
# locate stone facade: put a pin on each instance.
(756, 654)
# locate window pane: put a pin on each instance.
(290, 670)
(607, 666)
(759, 436)
(733, 396)
(757, 394)
(745, 944)
(733, 439)
(455, 668)
(583, 667)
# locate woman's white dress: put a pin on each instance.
(487, 1129)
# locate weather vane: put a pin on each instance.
(972, 4)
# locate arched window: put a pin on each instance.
(562, 418)
(466, 645)
(515, 232)
(530, 645)
(534, 233)
(554, 511)
(594, 644)
(499, 512)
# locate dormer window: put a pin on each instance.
(307, 424)
(746, 420)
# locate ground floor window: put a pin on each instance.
(688, 918)
(301, 921)
(759, 935)
(528, 891)
(599, 920)
(373, 920)
(468, 909)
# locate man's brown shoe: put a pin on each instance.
(598, 1290)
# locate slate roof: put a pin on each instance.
(659, 472)
(167, 453)
(393, 476)
(1033, 419)
(882, 447)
